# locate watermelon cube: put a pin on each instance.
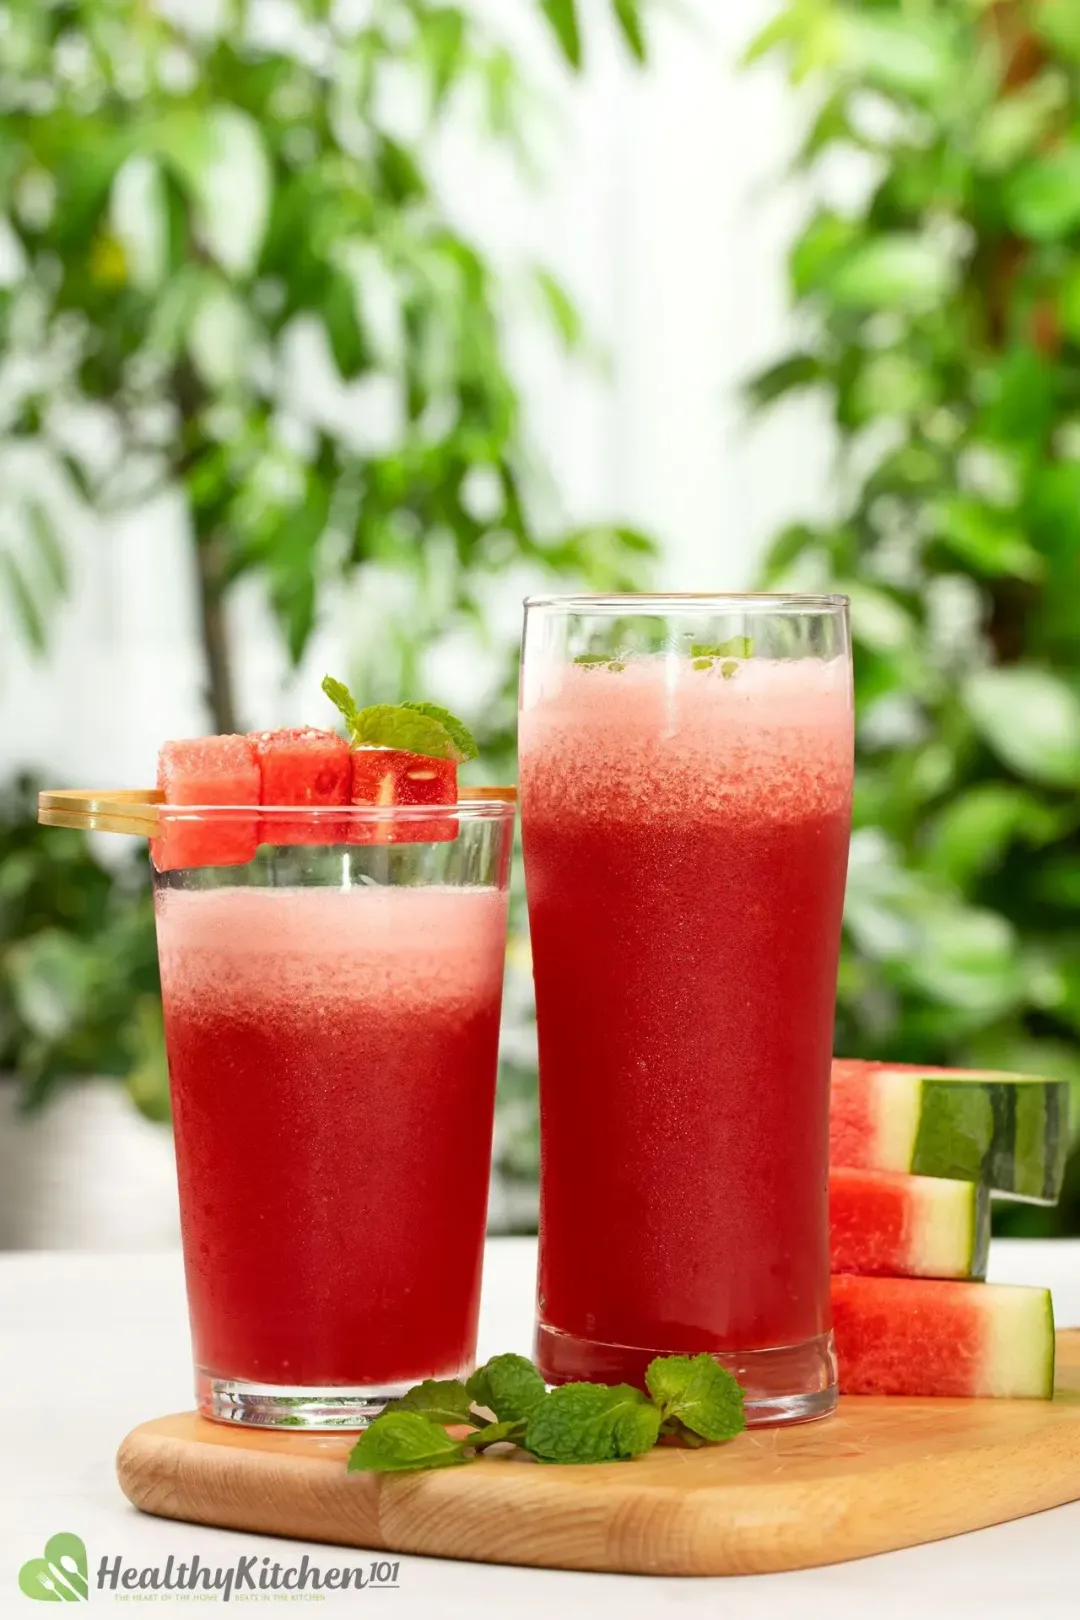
(392, 776)
(889, 1225)
(302, 766)
(1008, 1131)
(909, 1336)
(207, 771)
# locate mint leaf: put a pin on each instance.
(341, 698)
(443, 1400)
(599, 660)
(728, 668)
(391, 725)
(699, 1393)
(509, 1386)
(397, 1441)
(418, 728)
(492, 1433)
(460, 735)
(584, 1423)
(736, 647)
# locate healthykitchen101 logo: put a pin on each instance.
(61, 1575)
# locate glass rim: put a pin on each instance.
(691, 601)
(464, 810)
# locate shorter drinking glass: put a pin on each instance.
(331, 1024)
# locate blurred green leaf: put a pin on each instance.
(892, 384)
(27, 608)
(1058, 23)
(50, 979)
(563, 17)
(342, 325)
(793, 372)
(818, 252)
(906, 53)
(973, 832)
(49, 550)
(628, 17)
(444, 40)
(898, 271)
(562, 310)
(1013, 127)
(987, 540)
(1020, 397)
(1042, 200)
(1031, 720)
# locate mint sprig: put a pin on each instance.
(697, 1393)
(600, 661)
(706, 654)
(443, 1400)
(400, 1441)
(509, 1386)
(691, 1399)
(417, 728)
(582, 1423)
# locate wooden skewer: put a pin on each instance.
(135, 811)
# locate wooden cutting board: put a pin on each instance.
(879, 1475)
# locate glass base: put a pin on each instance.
(283, 1406)
(794, 1383)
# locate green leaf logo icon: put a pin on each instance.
(61, 1575)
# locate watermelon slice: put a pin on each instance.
(302, 766)
(385, 776)
(908, 1336)
(889, 1225)
(1008, 1131)
(207, 771)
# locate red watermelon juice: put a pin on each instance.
(686, 835)
(332, 1056)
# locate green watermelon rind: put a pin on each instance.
(1009, 1132)
(980, 1238)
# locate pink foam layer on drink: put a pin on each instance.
(659, 738)
(399, 949)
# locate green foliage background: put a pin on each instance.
(941, 323)
(177, 197)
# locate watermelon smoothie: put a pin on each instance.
(332, 1056)
(686, 826)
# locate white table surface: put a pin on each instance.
(92, 1345)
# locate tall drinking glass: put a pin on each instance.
(686, 772)
(331, 1021)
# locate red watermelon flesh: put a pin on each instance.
(302, 766)
(386, 776)
(910, 1336)
(882, 1223)
(207, 771)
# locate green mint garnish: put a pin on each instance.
(509, 1386)
(584, 1423)
(417, 728)
(342, 699)
(600, 661)
(398, 1441)
(690, 1398)
(736, 647)
(443, 1400)
(492, 1434)
(699, 1393)
(461, 736)
(703, 655)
